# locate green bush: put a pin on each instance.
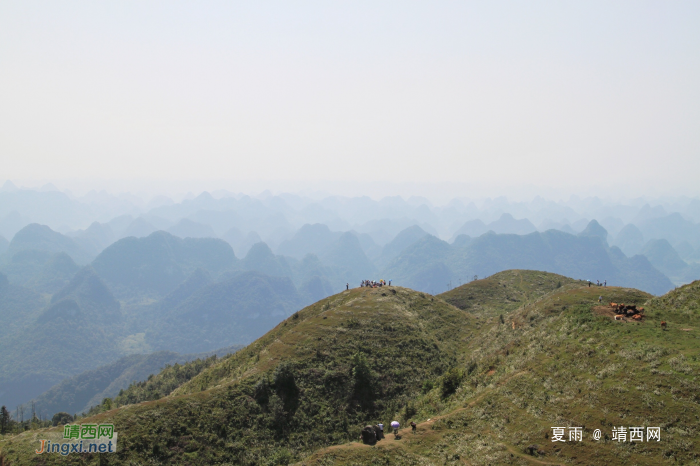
(286, 386)
(61, 418)
(261, 391)
(451, 381)
(362, 389)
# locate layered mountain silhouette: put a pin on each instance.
(594, 229)
(505, 224)
(347, 256)
(18, 307)
(53, 275)
(665, 258)
(186, 228)
(82, 391)
(685, 250)
(94, 238)
(260, 258)
(158, 263)
(78, 330)
(585, 256)
(673, 227)
(241, 243)
(184, 283)
(235, 311)
(139, 228)
(630, 240)
(42, 238)
(404, 239)
(309, 239)
(12, 223)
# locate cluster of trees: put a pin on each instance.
(17, 424)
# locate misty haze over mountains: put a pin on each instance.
(666, 231)
(129, 276)
(246, 232)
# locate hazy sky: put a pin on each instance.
(557, 95)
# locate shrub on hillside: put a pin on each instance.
(261, 391)
(286, 386)
(362, 380)
(451, 381)
(61, 418)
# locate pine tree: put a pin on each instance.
(4, 420)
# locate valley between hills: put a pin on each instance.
(485, 370)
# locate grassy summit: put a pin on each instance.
(484, 388)
(505, 291)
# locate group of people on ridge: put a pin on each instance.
(373, 284)
(372, 434)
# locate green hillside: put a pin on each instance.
(129, 377)
(79, 392)
(485, 385)
(44, 340)
(161, 384)
(563, 364)
(350, 359)
(504, 292)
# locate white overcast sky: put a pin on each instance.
(557, 95)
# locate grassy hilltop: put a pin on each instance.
(485, 372)
(566, 363)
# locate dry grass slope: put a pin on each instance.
(505, 291)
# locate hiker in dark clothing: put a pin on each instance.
(347, 286)
(413, 426)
